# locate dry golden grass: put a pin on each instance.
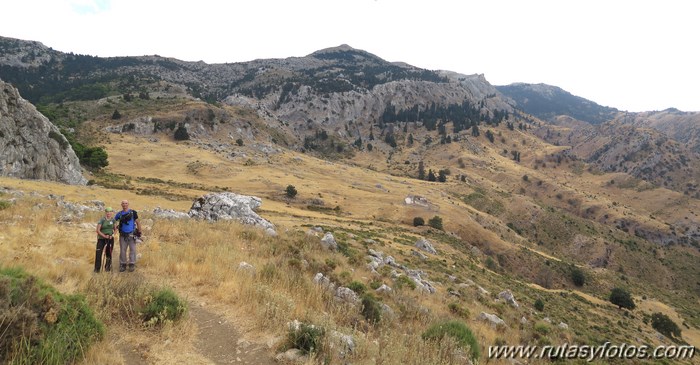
(200, 260)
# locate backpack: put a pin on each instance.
(124, 219)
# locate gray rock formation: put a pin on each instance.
(426, 246)
(508, 297)
(32, 147)
(169, 213)
(492, 319)
(216, 206)
(328, 242)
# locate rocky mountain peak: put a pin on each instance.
(32, 147)
(346, 53)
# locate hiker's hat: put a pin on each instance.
(109, 209)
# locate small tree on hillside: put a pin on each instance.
(421, 171)
(116, 115)
(181, 133)
(436, 222)
(622, 298)
(418, 221)
(291, 191)
(577, 276)
(665, 325)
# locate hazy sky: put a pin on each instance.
(631, 55)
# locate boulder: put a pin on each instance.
(169, 214)
(426, 246)
(509, 298)
(227, 206)
(328, 241)
(492, 319)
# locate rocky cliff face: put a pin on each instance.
(30, 146)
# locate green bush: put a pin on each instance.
(418, 221)
(291, 191)
(458, 310)
(458, 331)
(577, 276)
(541, 328)
(39, 325)
(357, 287)
(4, 204)
(491, 264)
(539, 305)
(621, 298)
(371, 309)
(404, 281)
(165, 306)
(307, 338)
(436, 222)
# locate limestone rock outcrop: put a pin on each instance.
(31, 146)
(216, 206)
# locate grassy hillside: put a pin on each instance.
(501, 231)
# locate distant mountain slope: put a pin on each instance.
(547, 102)
(342, 90)
(684, 127)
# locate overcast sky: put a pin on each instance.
(631, 55)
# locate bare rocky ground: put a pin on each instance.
(220, 342)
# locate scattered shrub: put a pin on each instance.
(239, 142)
(541, 328)
(539, 305)
(371, 309)
(458, 310)
(435, 222)
(418, 221)
(357, 287)
(4, 204)
(331, 263)
(404, 281)
(621, 298)
(665, 325)
(40, 325)
(307, 338)
(491, 264)
(577, 276)
(165, 306)
(458, 331)
(291, 191)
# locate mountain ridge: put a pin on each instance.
(515, 203)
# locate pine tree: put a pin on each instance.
(421, 171)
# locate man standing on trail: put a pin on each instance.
(129, 230)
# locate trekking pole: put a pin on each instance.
(103, 257)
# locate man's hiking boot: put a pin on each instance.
(132, 267)
(122, 267)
